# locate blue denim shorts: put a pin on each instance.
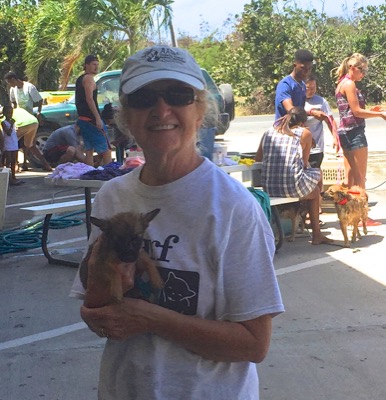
(315, 160)
(93, 138)
(354, 139)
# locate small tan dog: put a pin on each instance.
(120, 243)
(296, 213)
(351, 206)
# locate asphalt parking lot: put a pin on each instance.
(329, 344)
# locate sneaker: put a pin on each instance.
(370, 222)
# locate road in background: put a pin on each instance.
(245, 133)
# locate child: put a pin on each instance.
(10, 142)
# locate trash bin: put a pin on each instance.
(4, 178)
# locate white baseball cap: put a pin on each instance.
(158, 63)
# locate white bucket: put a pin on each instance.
(219, 153)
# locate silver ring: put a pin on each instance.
(102, 332)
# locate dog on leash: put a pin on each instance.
(120, 242)
(351, 206)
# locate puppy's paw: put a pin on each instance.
(156, 281)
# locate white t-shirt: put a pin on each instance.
(25, 97)
(214, 248)
(314, 125)
(10, 141)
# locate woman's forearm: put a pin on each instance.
(214, 340)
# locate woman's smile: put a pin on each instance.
(165, 127)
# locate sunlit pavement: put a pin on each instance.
(329, 344)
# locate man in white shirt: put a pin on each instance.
(23, 95)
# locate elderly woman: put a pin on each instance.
(201, 337)
(284, 150)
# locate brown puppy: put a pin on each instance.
(120, 243)
(296, 213)
(351, 206)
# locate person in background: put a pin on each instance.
(284, 151)
(202, 335)
(92, 128)
(119, 140)
(9, 147)
(291, 90)
(315, 125)
(63, 145)
(352, 113)
(26, 128)
(24, 95)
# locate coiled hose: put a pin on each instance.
(29, 237)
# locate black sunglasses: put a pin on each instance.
(174, 96)
(363, 69)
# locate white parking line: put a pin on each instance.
(81, 325)
(305, 265)
(42, 336)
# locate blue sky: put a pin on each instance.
(188, 14)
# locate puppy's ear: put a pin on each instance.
(102, 224)
(150, 215)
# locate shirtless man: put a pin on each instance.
(92, 128)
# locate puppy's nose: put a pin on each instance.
(322, 193)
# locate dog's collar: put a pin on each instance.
(352, 192)
(342, 202)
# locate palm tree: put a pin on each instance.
(72, 29)
(41, 41)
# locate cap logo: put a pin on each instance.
(163, 55)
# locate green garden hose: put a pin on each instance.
(30, 235)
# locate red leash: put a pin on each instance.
(340, 170)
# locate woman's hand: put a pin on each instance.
(119, 321)
(380, 110)
(319, 115)
(336, 144)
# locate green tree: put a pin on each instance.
(261, 52)
(207, 51)
(370, 40)
(12, 36)
(112, 29)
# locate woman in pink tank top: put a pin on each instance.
(352, 112)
